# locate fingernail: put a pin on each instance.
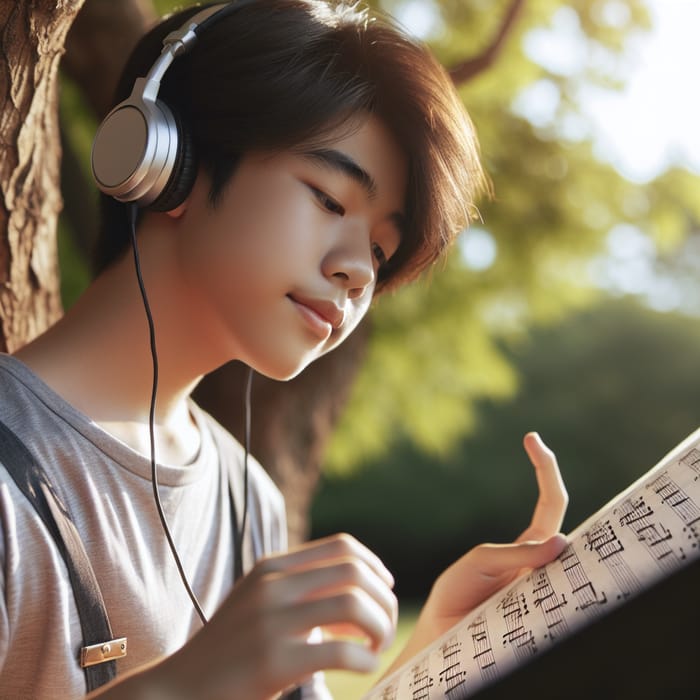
(560, 539)
(388, 640)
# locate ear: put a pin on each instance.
(179, 210)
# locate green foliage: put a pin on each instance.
(164, 7)
(75, 275)
(77, 126)
(78, 122)
(423, 370)
(611, 389)
(435, 348)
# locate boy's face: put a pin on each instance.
(284, 267)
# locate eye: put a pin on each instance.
(379, 254)
(328, 203)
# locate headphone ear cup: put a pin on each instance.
(136, 149)
(184, 170)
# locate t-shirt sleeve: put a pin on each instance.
(4, 620)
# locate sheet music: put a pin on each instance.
(645, 533)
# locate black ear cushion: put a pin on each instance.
(184, 171)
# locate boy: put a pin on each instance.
(324, 157)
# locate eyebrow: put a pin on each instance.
(343, 163)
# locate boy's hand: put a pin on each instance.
(488, 567)
(257, 644)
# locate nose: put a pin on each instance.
(350, 264)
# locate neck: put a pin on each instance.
(98, 356)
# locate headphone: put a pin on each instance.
(141, 153)
(143, 157)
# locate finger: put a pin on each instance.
(494, 560)
(487, 568)
(323, 578)
(553, 499)
(341, 546)
(350, 607)
(300, 660)
(305, 659)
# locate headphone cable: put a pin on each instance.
(132, 211)
(246, 442)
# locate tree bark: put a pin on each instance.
(468, 69)
(100, 40)
(31, 44)
(98, 44)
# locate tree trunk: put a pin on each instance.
(31, 44)
(100, 41)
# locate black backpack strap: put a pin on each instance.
(97, 656)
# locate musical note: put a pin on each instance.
(452, 675)
(391, 692)
(677, 499)
(550, 603)
(650, 529)
(633, 509)
(602, 539)
(513, 608)
(483, 652)
(646, 526)
(692, 460)
(582, 588)
(421, 682)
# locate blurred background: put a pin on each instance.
(572, 308)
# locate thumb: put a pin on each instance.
(493, 560)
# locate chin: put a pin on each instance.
(292, 364)
(283, 373)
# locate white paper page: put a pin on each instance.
(647, 532)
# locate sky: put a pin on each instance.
(651, 124)
(655, 120)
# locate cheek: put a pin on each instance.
(353, 319)
(262, 234)
(209, 265)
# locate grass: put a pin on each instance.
(345, 685)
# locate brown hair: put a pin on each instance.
(277, 73)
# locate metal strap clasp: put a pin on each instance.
(106, 651)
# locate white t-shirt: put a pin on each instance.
(107, 487)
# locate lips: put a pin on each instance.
(322, 315)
